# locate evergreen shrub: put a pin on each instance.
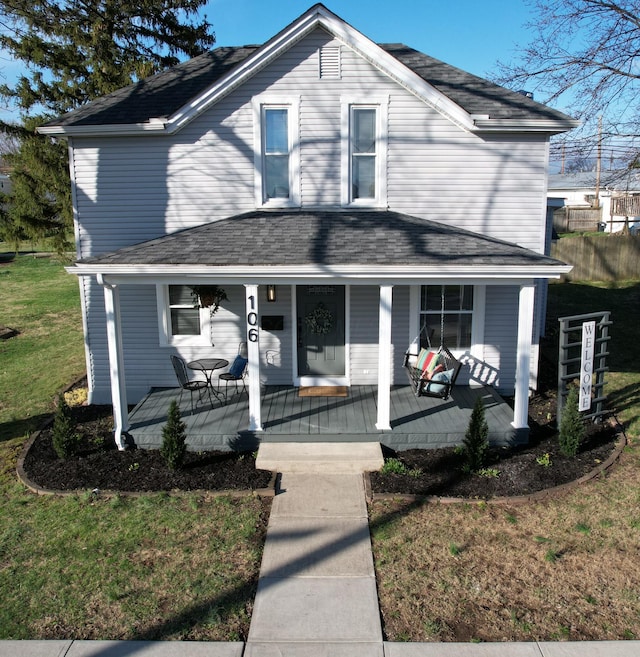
(174, 438)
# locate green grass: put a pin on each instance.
(148, 567)
(622, 382)
(41, 301)
(562, 566)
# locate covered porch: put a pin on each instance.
(422, 422)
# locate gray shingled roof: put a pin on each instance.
(161, 95)
(474, 94)
(323, 238)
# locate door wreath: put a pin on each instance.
(320, 320)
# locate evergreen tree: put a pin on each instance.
(572, 428)
(65, 438)
(75, 51)
(476, 438)
(174, 438)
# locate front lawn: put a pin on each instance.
(568, 568)
(147, 567)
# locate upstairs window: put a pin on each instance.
(363, 153)
(364, 144)
(276, 152)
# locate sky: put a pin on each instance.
(469, 34)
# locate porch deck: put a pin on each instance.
(416, 422)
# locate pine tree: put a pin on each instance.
(572, 428)
(476, 439)
(65, 438)
(73, 53)
(174, 438)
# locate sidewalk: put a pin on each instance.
(317, 568)
(205, 649)
(317, 594)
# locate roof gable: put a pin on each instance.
(169, 100)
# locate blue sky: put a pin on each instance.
(469, 34)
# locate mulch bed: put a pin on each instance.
(99, 465)
(510, 471)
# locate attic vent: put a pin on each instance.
(330, 62)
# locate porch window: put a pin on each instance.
(448, 308)
(180, 323)
(185, 319)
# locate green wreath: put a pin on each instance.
(320, 320)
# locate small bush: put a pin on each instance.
(572, 425)
(65, 437)
(394, 466)
(476, 439)
(174, 438)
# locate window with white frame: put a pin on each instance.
(181, 322)
(446, 315)
(275, 149)
(276, 152)
(364, 153)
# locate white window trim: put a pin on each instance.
(164, 323)
(381, 105)
(477, 319)
(292, 104)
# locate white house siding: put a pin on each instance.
(133, 189)
(276, 347)
(498, 367)
(363, 336)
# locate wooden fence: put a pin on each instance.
(572, 220)
(600, 257)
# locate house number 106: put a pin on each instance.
(252, 321)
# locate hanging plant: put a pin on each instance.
(320, 320)
(208, 296)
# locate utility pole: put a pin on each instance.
(598, 163)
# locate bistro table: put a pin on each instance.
(208, 366)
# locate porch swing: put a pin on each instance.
(433, 371)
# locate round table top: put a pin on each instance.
(207, 364)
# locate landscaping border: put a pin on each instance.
(538, 496)
(269, 491)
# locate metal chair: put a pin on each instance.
(180, 369)
(237, 372)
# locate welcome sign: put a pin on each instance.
(586, 365)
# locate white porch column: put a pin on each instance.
(253, 354)
(116, 361)
(523, 364)
(384, 359)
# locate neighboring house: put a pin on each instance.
(618, 195)
(363, 181)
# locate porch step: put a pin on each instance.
(320, 458)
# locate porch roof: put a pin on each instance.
(340, 242)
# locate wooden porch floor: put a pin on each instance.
(416, 422)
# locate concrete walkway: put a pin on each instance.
(316, 594)
(317, 568)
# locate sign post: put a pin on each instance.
(586, 365)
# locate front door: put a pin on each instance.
(321, 334)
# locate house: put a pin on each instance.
(319, 167)
(618, 204)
